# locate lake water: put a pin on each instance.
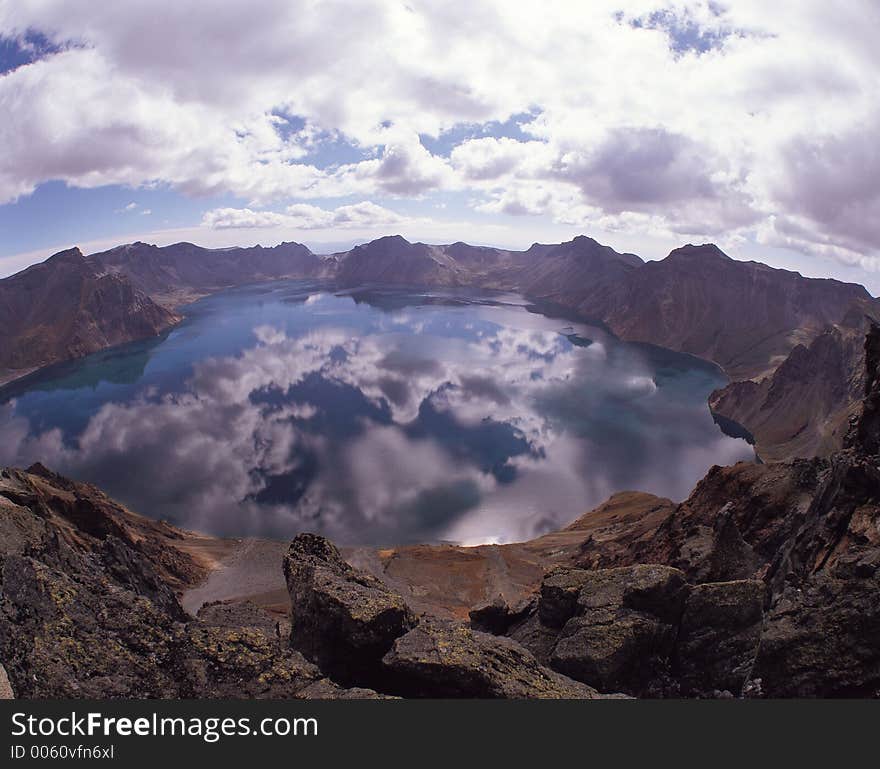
(374, 417)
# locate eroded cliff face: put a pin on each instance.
(804, 407)
(65, 308)
(744, 316)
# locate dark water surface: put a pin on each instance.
(383, 416)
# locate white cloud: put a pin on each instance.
(676, 116)
(304, 216)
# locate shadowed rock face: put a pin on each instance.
(618, 626)
(645, 631)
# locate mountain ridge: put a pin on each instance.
(65, 308)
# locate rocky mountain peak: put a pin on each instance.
(702, 251)
(389, 240)
(70, 255)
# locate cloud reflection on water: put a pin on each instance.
(478, 423)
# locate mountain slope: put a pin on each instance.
(744, 316)
(170, 270)
(394, 260)
(65, 308)
(574, 272)
(804, 407)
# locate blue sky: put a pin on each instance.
(669, 122)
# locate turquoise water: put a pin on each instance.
(375, 417)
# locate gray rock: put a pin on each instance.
(622, 625)
(446, 659)
(342, 619)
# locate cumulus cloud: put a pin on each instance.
(304, 216)
(676, 116)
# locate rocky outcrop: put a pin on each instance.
(804, 407)
(447, 659)
(617, 627)
(360, 631)
(65, 308)
(645, 631)
(342, 618)
(718, 637)
(496, 616)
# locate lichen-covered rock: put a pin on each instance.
(80, 635)
(622, 628)
(822, 639)
(241, 662)
(719, 636)
(644, 630)
(343, 619)
(446, 659)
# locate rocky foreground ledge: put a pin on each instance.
(765, 582)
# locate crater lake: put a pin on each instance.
(380, 416)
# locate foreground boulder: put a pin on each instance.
(343, 619)
(447, 659)
(250, 662)
(618, 626)
(645, 631)
(822, 639)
